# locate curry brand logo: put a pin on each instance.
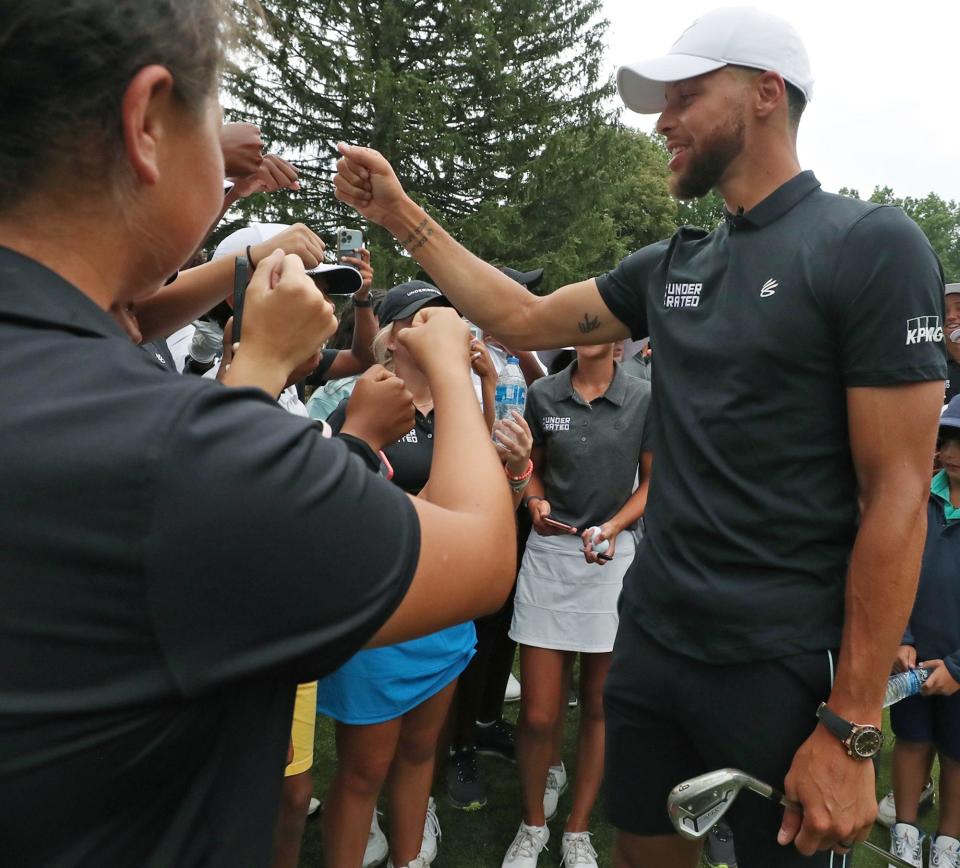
(682, 294)
(924, 329)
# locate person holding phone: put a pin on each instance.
(146, 691)
(588, 424)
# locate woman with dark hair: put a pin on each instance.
(155, 620)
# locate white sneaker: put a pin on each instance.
(906, 841)
(512, 693)
(576, 849)
(945, 852)
(431, 833)
(887, 808)
(556, 787)
(414, 863)
(526, 847)
(377, 847)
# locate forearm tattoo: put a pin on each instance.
(588, 324)
(419, 237)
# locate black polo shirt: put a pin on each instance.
(174, 557)
(760, 327)
(591, 451)
(410, 456)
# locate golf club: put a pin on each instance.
(695, 805)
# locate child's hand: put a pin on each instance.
(906, 658)
(940, 682)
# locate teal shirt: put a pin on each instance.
(940, 489)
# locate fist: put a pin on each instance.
(298, 240)
(366, 181)
(437, 339)
(242, 149)
(380, 410)
(286, 318)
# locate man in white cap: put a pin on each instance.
(761, 616)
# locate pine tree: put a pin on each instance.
(462, 97)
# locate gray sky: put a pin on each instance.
(886, 99)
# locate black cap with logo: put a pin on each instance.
(407, 298)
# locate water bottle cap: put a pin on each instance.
(513, 360)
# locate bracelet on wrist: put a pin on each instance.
(518, 485)
(527, 473)
(362, 302)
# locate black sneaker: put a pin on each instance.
(496, 739)
(718, 849)
(465, 787)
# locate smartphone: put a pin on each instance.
(559, 525)
(475, 331)
(349, 242)
(241, 277)
(599, 557)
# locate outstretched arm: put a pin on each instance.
(572, 315)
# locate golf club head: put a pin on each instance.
(695, 805)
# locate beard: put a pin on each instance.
(710, 161)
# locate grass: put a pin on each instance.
(480, 839)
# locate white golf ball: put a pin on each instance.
(599, 547)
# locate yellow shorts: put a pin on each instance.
(304, 725)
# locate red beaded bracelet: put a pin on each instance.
(525, 475)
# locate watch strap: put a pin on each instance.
(362, 302)
(841, 728)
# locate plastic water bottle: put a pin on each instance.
(904, 684)
(511, 391)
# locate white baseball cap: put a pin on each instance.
(341, 279)
(737, 35)
(951, 289)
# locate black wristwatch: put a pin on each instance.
(863, 741)
(362, 302)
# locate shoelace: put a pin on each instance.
(431, 824)
(904, 847)
(579, 851)
(952, 856)
(526, 844)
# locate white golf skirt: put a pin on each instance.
(564, 603)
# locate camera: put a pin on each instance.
(349, 242)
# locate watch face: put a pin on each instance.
(867, 743)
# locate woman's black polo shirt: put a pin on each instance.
(760, 327)
(174, 557)
(410, 456)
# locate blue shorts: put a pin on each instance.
(380, 684)
(931, 719)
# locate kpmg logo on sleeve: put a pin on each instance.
(682, 295)
(924, 329)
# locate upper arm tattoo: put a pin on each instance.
(588, 324)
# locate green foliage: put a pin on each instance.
(595, 194)
(456, 95)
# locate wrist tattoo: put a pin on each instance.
(588, 324)
(418, 235)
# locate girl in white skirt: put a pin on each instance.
(588, 425)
